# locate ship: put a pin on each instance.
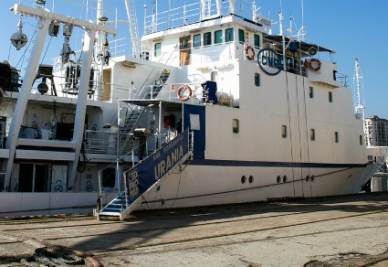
(211, 108)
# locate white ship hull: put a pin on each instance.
(205, 186)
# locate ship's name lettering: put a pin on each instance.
(171, 159)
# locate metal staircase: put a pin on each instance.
(134, 113)
(141, 178)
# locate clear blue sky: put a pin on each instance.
(354, 28)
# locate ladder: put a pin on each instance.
(141, 179)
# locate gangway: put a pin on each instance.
(146, 175)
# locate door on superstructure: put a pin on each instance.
(26, 177)
(185, 50)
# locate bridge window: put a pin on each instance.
(257, 79)
(207, 38)
(361, 140)
(236, 126)
(336, 137)
(157, 49)
(284, 131)
(331, 97)
(197, 40)
(229, 35)
(311, 92)
(241, 36)
(218, 37)
(257, 41)
(312, 134)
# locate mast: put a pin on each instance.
(100, 50)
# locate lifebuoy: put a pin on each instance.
(315, 64)
(184, 93)
(250, 52)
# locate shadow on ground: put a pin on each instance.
(145, 228)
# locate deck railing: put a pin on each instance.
(179, 16)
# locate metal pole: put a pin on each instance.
(79, 122)
(118, 184)
(160, 123)
(24, 93)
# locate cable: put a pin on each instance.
(45, 52)
(21, 59)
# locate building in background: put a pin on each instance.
(377, 131)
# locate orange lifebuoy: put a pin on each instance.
(250, 52)
(184, 93)
(313, 64)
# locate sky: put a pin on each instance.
(353, 28)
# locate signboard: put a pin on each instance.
(270, 62)
(154, 167)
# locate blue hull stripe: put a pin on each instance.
(240, 163)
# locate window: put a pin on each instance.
(241, 36)
(312, 134)
(331, 97)
(236, 126)
(311, 92)
(361, 140)
(284, 131)
(207, 38)
(257, 79)
(229, 35)
(197, 40)
(157, 49)
(218, 37)
(336, 137)
(257, 41)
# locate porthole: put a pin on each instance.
(158, 188)
(279, 179)
(284, 179)
(251, 179)
(307, 178)
(243, 179)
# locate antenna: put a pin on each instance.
(302, 31)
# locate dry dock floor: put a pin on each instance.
(341, 231)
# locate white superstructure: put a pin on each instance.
(214, 110)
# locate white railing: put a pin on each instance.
(179, 16)
(100, 142)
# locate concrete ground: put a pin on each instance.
(342, 231)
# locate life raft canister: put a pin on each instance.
(184, 93)
(250, 52)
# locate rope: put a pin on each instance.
(299, 126)
(21, 59)
(45, 52)
(289, 123)
(9, 51)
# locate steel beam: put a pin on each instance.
(79, 122)
(24, 93)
